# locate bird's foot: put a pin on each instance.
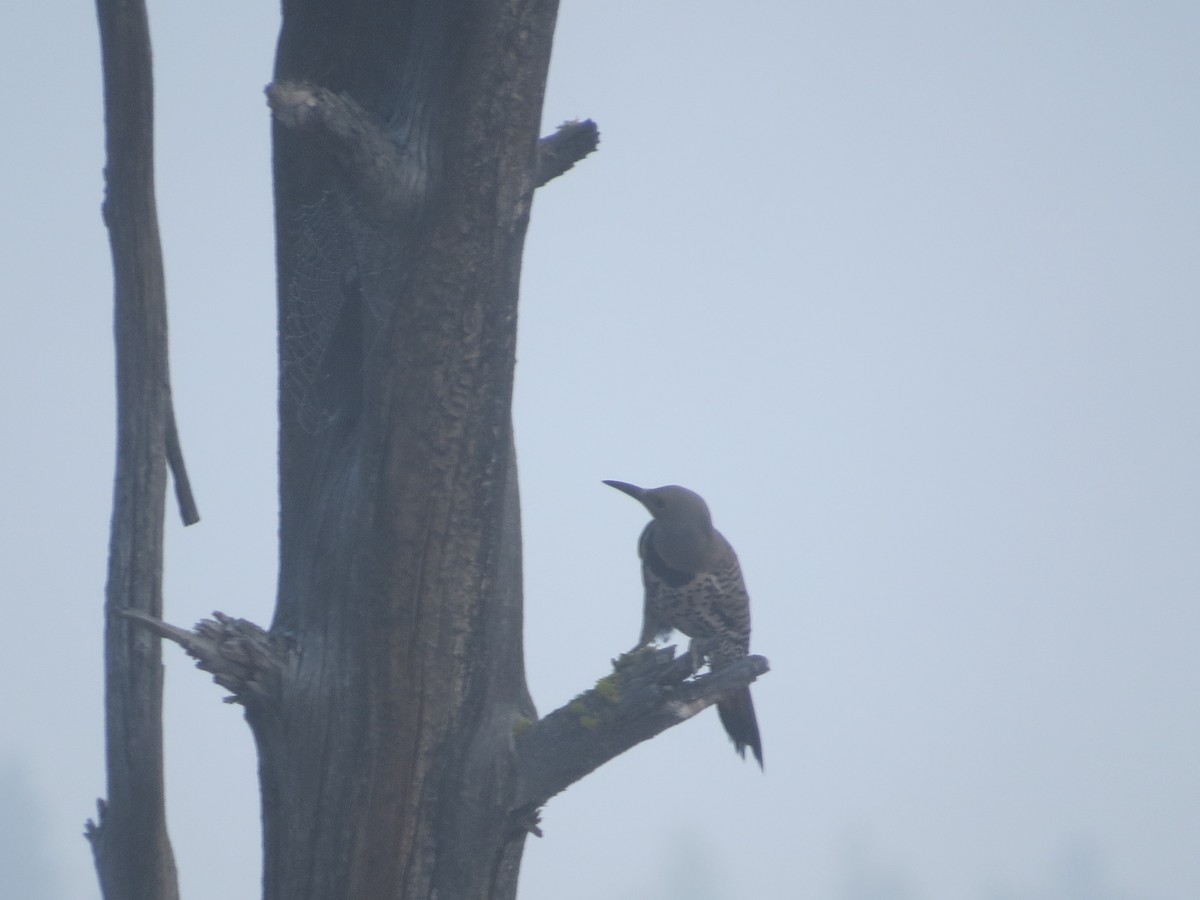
(698, 650)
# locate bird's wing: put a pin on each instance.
(733, 600)
(658, 578)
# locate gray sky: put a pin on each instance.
(910, 292)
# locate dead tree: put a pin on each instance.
(129, 836)
(400, 753)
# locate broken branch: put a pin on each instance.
(648, 691)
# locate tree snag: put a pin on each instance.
(129, 837)
(400, 755)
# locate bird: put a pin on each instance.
(694, 585)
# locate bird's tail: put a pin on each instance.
(737, 715)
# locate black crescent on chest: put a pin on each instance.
(654, 563)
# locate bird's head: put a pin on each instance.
(669, 503)
(683, 531)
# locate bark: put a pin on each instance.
(405, 146)
(129, 838)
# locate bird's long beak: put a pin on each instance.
(637, 493)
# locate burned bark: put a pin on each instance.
(405, 146)
(129, 838)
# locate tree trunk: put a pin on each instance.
(129, 837)
(405, 149)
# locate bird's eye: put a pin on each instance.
(660, 503)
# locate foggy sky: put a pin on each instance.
(909, 292)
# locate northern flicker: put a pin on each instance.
(694, 585)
